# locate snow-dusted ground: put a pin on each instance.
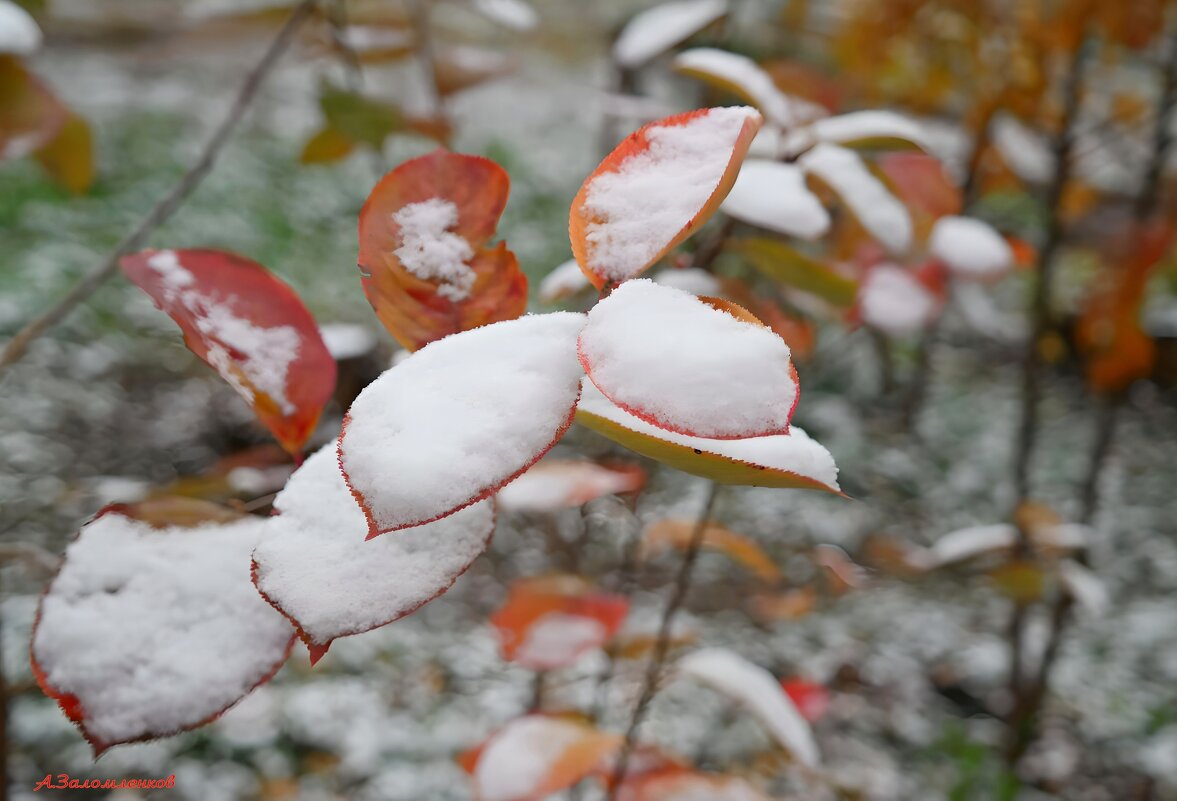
(114, 404)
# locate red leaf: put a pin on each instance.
(250, 327)
(438, 212)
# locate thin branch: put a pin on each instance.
(653, 676)
(1042, 302)
(166, 206)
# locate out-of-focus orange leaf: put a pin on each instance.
(30, 115)
(1022, 580)
(69, 156)
(683, 784)
(799, 79)
(535, 756)
(1025, 254)
(1109, 336)
(923, 185)
(329, 144)
(788, 605)
(811, 699)
(1078, 199)
(453, 281)
(462, 67)
(677, 534)
(165, 512)
(250, 327)
(562, 483)
(795, 269)
(841, 572)
(656, 188)
(551, 621)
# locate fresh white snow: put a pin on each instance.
(558, 639)
(879, 211)
(773, 196)
(19, 33)
(514, 14)
(970, 247)
(690, 279)
(520, 756)
(157, 630)
(893, 301)
(315, 565)
(753, 83)
(431, 251)
(564, 281)
(559, 484)
(460, 418)
(347, 340)
(666, 356)
(639, 209)
(655, 30)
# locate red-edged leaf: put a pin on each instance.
(30, 115)
(553, 621)
(690, 365)
(793, 460)
(535, 756)
(922, 183)
(656, 189)
(773, 196)
(651, 32)
(147, 631)
(683, 784)
(868, 199)
(563, 483)
(428, 271)
(250, 327)
(315, 566)
(757, 690)
(744, 78)
(460, 418)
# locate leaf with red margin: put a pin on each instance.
(790, 461)
(535, 756)
(460, 418)
(552, 621)
(149, 630)
(665, 534)
(811, 699)
(250, 327)
(923, 185)
(30, 115)
(555, 484)
(314, 566)
(695, 366)
(418, 310)
(683, 784)
(656, 189)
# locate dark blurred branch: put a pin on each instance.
(427, 50)
(682, 585)
(166, 206)
(1041, 304)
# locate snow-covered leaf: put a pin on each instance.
(460, 418)
(870, 129)
(864, 195)
(563, 483)
(743, 77)
(250, 327)
(19, 33)
(535, 756)
(427, 269)
(564, 281)
(756, 689)
(315, 566)
(970, 248)
(655, 30)
(148, 631)
(518, 15)
(796, 270)
(774, 196)
(972, 542)
(682, 784)
(682, 364)
(790, 460)
(893, 300)
(552, 621)
(1089, 592)
(664, 534)
(656, 189)
(690, 279)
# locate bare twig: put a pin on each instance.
(657, 661)
(166, 206)
(1042, 302)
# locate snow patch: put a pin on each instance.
(657, 29)
(431, 251)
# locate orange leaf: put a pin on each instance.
(69, 156)
(250, 327)
(558, 753)
(656, 189)
(462, 67)
(922, 184)
(677, 534)
(789, 605)
(329, 144)
(30, 115)
(469, 284)
(550, 622)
